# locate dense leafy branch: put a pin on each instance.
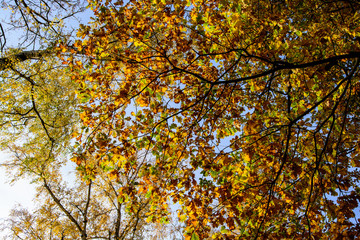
(245, 107)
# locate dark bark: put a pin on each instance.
(63, 209)
(9, 61)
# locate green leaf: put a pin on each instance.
(194, 236)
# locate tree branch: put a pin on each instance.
(58, 203)
(9, 61)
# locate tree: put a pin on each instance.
(85, 210)
(38, 96)
(249, 108)
(39, 114)
(39, 23)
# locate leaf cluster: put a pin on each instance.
(248, 108)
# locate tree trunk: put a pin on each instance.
(8, 62)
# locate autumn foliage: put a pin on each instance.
(245, 113)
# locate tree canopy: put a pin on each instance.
(244, 113)
(81, 210)
(38, 116)
(250, 109)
